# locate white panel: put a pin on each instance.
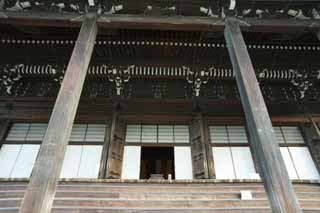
(243, 163)
(8, 157)
(292, 134)
(223, 163)
(131, 162)
(71, 162)
(288, 162)
(218, 134)
(18, 132)
(182, 162)
(133, 133)
(278, 133)
(90, 161)
(36, 132)
(149, 134)
(304, 163)
(78, 132)
(165, 134)
(181, 134)
(237, 134)
(25, 161)
(95, 132)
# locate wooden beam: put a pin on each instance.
(183, 23)
(264, 143)
(116, 147)
(104, 157)
(206, 139)
(46, 172)
(4, 128)
(315, 129)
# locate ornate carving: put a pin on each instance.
(10, 76)
(57, 73)
(119, 76)
(197, 78)
(301, 82)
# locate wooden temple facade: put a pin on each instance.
(159, 106)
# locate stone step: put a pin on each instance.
(160, 188)
(130, 203)
(147, 210)
(154, 195)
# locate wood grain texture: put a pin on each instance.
(191, 23)
(46, 172)
(116, 147)
(104, 157)
(263, 140)
(199, 155)
(124, 196)
(4, 128)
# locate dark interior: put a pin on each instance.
(158, 161)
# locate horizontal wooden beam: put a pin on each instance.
(182, 23)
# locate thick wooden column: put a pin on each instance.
(207, 142)
(4, 128)
(41, 190)
(202, 166)
(116, 147)
(280, 191)
(104, 157)
(311, 135)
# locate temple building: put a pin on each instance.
(159, 106)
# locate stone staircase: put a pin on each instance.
(125, 197)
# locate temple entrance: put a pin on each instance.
(157, 163)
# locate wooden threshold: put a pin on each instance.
(195, 181)
(176, 23)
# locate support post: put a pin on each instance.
(46, 172)
(116, 147)
(277, 183)
(104, 157)
(4, 128)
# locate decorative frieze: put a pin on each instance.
(10, 75)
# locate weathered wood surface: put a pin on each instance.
(104, 157)
(199, 155)
(206, 139)
(129, 197)
(4, 128)
(311, 134)
(192, 23)
(116, 147)
(263, 140)
(46, 172)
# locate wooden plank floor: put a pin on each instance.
(78, 197)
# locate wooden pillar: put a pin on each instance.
(277, 183)
(311, 134)
(202, 166)
(41, 189)
(4, 128)
(104, 157)
(116, 147)
(207, 142)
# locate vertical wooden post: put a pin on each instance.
(209, 154)
(4, 128)
(311, 134)
(199, 149)
(104, 157)
(280, 191)
(315, 128)
(116, 147)
(41, 189)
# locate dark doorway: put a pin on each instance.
(157, 162)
